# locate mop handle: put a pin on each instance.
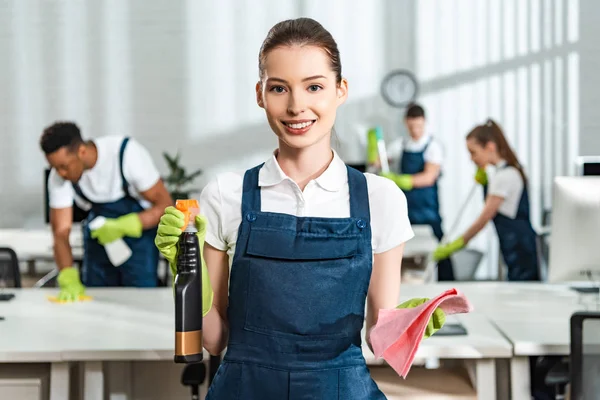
(460, 214)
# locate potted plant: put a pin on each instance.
(178, 179)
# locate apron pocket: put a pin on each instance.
(292, 245)
(304, 285)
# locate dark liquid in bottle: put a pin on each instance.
(188, 300)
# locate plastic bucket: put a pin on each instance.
(465, 264)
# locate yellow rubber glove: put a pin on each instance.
(481, 176)
(445, 251)
(169, 230)
(71, 288)
(437, 320)
(404, 181)
(116, 228)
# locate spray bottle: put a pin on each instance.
(188, 288)
(383, 157)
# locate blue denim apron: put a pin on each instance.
(518, 241)
(423, 205)
(296, 303)
(141, 268)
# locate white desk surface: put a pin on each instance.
(535, 317)
(482, 341)
(137, 324)
(119, 324)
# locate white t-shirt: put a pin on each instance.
(434, 153)
(508, 184)
(103, 183)
(325, 196)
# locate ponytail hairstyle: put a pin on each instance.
(491, 132)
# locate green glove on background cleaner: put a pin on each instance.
(481, 176)
(403, 181)
(71, 288)
(169, 231)
(444, 251)
(116, 228)
(437, 320)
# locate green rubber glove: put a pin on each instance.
(437, 320)
(481, 176)
(446, 250)
(404, 181)
(70, 285)
(169, 230)
(116, 228)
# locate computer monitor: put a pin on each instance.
(79, 214)
(574, 245)
(588, 165)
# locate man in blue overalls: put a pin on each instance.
(113, 177)
(418, 174)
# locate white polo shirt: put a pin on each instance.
(326, 196)
(102, 183)
(433, 154)
(507, 183)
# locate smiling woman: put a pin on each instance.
(297, 245)
(301, 85)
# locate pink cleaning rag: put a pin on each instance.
(399, 331)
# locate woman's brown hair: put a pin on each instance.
(491, 132)
(300, 32)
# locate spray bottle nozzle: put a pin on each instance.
(190, 208)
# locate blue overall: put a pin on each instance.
(518, 241)
(141, 269)
(296, 303)
(423, 205)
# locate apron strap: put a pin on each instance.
(427, 144)
(124, 183)
(359, 194)
(79, 193)
(251, 191)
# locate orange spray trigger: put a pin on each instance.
(190, 208)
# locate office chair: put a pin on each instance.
(558, 377)
(193, 375)
(585, 357)
(10, 275)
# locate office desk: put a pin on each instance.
(480, 349)
(137, 324)
(534, 317)
(119, 324)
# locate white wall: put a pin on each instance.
(517, 62)
(175, 75)
(180, 75)
(589, 144)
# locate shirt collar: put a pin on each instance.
(271, 173)
(335, 176)
(332, 179)
(421, 141)
(501, 164)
